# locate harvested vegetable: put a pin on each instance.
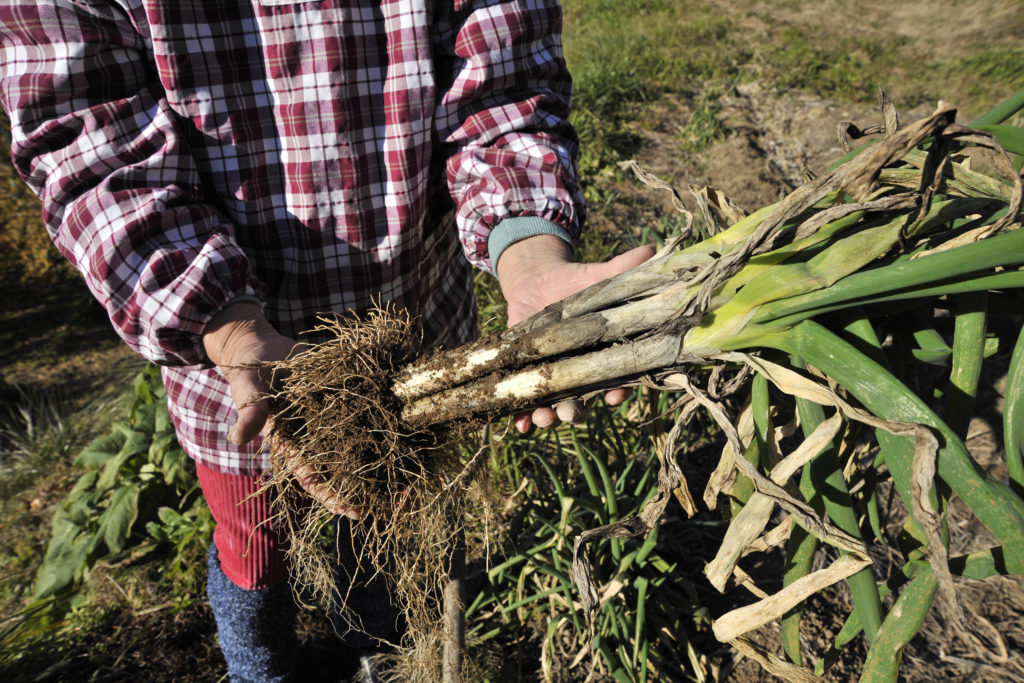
(790, 294)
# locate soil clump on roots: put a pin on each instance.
(337, 423)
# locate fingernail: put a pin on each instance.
(233, 436)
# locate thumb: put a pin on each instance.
(623, 262)
(253, 405)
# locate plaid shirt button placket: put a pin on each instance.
(191, 153)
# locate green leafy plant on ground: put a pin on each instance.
(130, 530)
(138, 487)
(565, 483)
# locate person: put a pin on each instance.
(221, 173)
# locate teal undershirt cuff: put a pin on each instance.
(511, 230)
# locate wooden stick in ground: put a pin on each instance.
(455, 617)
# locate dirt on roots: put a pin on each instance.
(337, 429)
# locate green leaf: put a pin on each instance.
(993, 502)
(1010, 137)
(829, 484)
(1001, 112)
(78, 505)
(943, 269)
(968, 353)
(115, 524)
(137, 442)
(65, 561)
(904, 621)
(639, 620)
(157, 532)
(800, 550)
(111, 471)
(1013, 417)
(81, 509)
(931, 347)
(82, 487)
(142, 388)
(101, 450)
(162, 419)
(159, 447)
(170, 516)
(980, 565)
(144, 419)
(176, 471)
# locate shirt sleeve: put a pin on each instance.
(502, 118)
(122, 199)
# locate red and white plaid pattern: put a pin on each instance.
(191, 152)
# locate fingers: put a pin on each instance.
(623, 262)
(316, 487)
(572, 412)
(544, 418)
(251, 420)
(615, 397)
(249, 393)
(251, 390)
(313, 483)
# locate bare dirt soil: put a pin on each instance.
(771, 144)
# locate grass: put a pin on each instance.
(626, 54)
(982, 69)
(847, 68)
(652, 54)
(705, 125)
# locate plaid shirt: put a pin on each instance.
(190, 153)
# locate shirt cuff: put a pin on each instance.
(512, 230)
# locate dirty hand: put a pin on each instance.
(538, 271)
(237, 340)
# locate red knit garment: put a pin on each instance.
(251, 553)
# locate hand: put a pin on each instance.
(537, 272)
(237, 340)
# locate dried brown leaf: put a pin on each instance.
(925, 462)
(772, 663)
(749, 522)
(745, 619)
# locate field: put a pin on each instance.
(742, 96)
